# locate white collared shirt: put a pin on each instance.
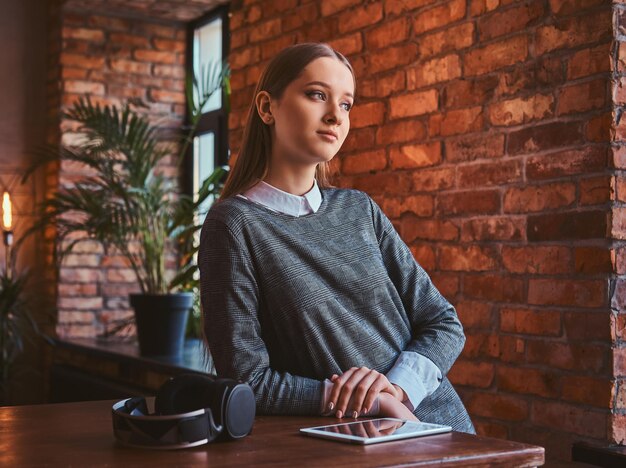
(284, 202)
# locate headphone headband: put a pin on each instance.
(134, 427)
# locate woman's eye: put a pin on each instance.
(316, 94)
(347, 106)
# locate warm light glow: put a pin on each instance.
(7, 216)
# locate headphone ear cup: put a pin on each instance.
(235, 404)
(184, 393)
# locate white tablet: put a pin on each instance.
(373, 431)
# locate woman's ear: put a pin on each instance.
(263, 107)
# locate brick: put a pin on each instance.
(496, 55)
(383, 85)
(85, 34)
(84, 87)
(571, 32)
(73, 73)
(530, 321)
(474, 374)
(360, 17)
(596, 190)
(157, 30)
(543, 137)
(618, 294)
(481, 345)
(359, 139)
(391, 57)
(586, 326)
(566, 163)
(81, 260)
(587, 390)
(454, 39)
(425, 256)
(468, 202)
(491, 429)
(440, 15)
(447, 283)
(428, 180)
(493, 287)
(618, 258)
(419, 205)
(619, 362)
(364, 115)
(169, 71)
(582, 97)
(83, 317)
(533, 198)
(563, 416)
(154, 56)
(433, 71)
(383, 182)
(130, 66)
(82, 61)
(537, 260)
(509, 21)
(512, 349)
(569, 225)
(348, 45)
(121, 275)
(472, 92)
(566, 292)
(162, 95)
(246, 56)
(456, 121)
(129, 40)
(414, 156)
(390, 32)
(489, 173)
(400, 132)
(399, 6)
(568, 7)
(528, 381)
(495, 406)
(330, 7)
(522, 110)
(618, 223)
(468, 258)
(265, 30)
(364, 162)
(412, 228)
(599, 128)
(580, 357)
(589, 61)
(494, 228)
(413, 104)
(169, 45)
(475, 314)
(72, 290)
(472, 147)
(80, 303)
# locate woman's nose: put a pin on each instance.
(333, 116)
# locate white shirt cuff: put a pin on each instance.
(417, 375)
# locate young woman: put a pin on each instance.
(309, 294)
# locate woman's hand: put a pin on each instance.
(394, 408)
(355, 390)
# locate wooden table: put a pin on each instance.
(80, 434)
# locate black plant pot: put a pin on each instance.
(161, 322)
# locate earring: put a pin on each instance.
(268, 120)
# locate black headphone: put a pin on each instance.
(189, 410)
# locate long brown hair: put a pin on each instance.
(252, 162)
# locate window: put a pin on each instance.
(207, 43)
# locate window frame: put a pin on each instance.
(215, 121)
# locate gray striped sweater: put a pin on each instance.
(289, 301)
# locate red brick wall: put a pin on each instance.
(482, 129)
(110, 59)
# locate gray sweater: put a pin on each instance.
(289, 301)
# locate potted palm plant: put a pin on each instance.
(128, 205)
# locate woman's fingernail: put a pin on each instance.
(364, 411)
(331, 405)
(339, 414)
(355, 414)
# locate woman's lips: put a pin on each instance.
(329, 136)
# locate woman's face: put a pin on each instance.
(311, 118)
